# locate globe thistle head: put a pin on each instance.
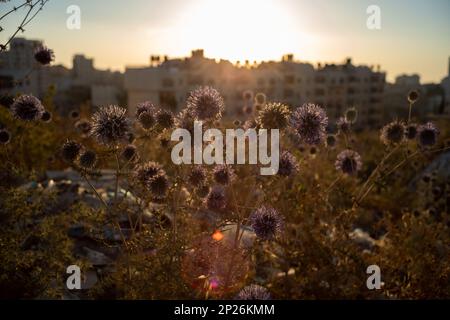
(146, 106)
(247, 95)
(250, 124)
(158, 185)
(216, 199)
(266, 222)
(197, 176)
(351, 115)
(331, 141)
(343, 125)
(427, 135)
(147, 119)
(110, 125)
(27, 108)
(393, 133)
(349, 162)
(70, 150)
(223, 174)
(274, 116)
(5, 136)
(88, 159)
(288, 164)
(202, 191)
(83, 126)
(310, 122)
(205, 103)
(411, 131)
(74, 114)
(413, 96)
(129, 153)
(185, 120)
(260, 98)
(46, 116)
(165, 119)
(144, 172)
(44, 56)
(253, 292)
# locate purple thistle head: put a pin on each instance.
(110, 125)
(5, 136)
(310, 122)
(185, 120)
(274, 116)
(129, 153)
(27, 108)
(253, 292)
(288, 164)
(349, 162)
(427, 135)
(216, 199)
(144, 172)
(158, 185)
(88, 159)
(146, 106)
(393, 133)
(44, 55)
(344, 126)
(197, 176)
(266, 222)
(223, 174)
(205, 103)
(165, 119)
(70, 150)
(331, 141)
(146, 119)
(46, 116)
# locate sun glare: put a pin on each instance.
(239, 30)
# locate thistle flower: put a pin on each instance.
(27, 108)
(288, 164)
(349, 162)
(202, 191)
(185, 120)
(110, 125)
(411, 131)
(260, 98)
(310, 123)
(205, 103)
(343, 125)
(146, 106)
(253, 292)
(197, 176)
(144, 172)
(88, 159)
(74, 114)
(146, 119)
(236, 123)
(250, 124)
(70, 150)
(427, 135)
(223, 174)
(46, 116)
(83, 126)
(266, 222)
(216, 199)
(44, 55)
(274, 116)
(158, 185)
(351, 115)
(331, 141)
(129, 153)
(165, 119)
(413, 95)
(5, 136)
(393, 133)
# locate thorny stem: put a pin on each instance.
(12, 10)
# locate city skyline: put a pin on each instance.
(326, 33)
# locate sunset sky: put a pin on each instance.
(414, 35)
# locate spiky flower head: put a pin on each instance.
(158, 185)
(223, 174)
(253, 292)
(413, 96)
(70, 150)
(46, 116)
(393, 133)
(349, 162)
(88, 159)
(147, 119)
(144, 172)
(351, 115)
(205, 103)
(146, 106)
(83, 126)
(185, 120)
(165, 119)
(260, 98)
(202, 191)
(250, 124)
(216, 199)
(27, 108)
(411, 131)
(74, 114)
(110, 125)
(427, 135)
(310, 122)
(343, 125)
(129, 153)
(288, 164)
(331, 141)
(5, 136)
(266, 222)
(274, 116)
(197, 176)
(44, 55)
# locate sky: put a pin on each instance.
(414, 36)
